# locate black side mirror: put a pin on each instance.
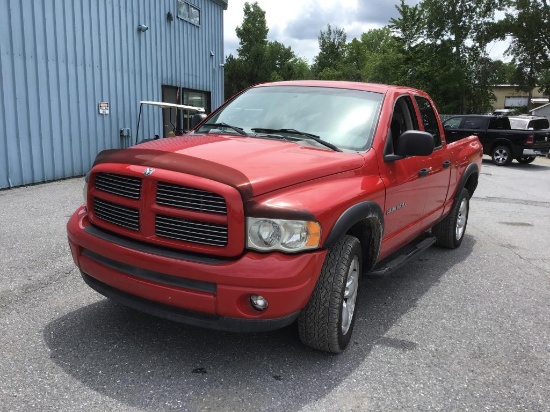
(199, 117)
(414, 143)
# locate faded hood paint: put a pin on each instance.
(253, 166)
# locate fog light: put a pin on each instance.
(258, 302)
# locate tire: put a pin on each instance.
(327, 321)
(526, 159)
(449, 233)
(502, 155)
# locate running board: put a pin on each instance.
(402, 256)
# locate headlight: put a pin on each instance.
(284, 235)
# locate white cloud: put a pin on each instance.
(297, 23)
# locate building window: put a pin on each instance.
(189, 13)
(195, 98)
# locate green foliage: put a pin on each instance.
(528, 23)
(259, 60)
(436, 45)
(332, 53)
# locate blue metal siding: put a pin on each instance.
(60, 58)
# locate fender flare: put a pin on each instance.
(355, 214)
(470, 170)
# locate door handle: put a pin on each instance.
(423, 172)
(446, 164)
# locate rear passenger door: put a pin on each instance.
(459, 127)
(436, 167)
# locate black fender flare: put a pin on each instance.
(470, 170)
(355, 214)
(370, 214)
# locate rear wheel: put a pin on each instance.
(450, 231)
(502, 155)
(327, 321)
(526, 159)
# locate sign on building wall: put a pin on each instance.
(103, 107)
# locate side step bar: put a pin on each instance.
(402, 256)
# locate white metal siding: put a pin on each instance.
(60, 58)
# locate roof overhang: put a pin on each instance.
(222, 3)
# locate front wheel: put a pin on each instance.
(502, 155)
(450, 231)
(526, 159)
(327, 321)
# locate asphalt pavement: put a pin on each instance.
(467, 329)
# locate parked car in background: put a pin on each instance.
(528, 122)
(500, 141)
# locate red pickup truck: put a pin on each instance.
(271, 209)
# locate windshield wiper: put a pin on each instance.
(228, 126)
(299, 133)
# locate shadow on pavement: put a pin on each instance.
(534, 167)
(153, 364)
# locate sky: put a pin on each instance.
(297, 23)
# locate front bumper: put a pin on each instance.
(197, 290)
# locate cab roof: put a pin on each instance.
(369, 87)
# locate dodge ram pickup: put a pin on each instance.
(500, 141)
(270, 210)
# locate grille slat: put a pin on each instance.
(177, 230)
(191, 231)
(120, 185)
(116, 214)
(182, 197)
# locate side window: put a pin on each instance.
(429, 119)
(452, 123)
(473, 123)
(403, 119)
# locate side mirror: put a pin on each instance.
(199, 117)
(414, 143)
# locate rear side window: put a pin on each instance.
(429, 119)
(502, 123)
(473, 123)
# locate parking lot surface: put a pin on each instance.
(461, 330)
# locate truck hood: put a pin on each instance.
(253, 166)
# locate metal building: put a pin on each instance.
(72, 73)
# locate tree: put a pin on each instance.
(252, 33)
(529, 26)
(259, 60)
(328, 64)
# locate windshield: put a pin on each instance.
(345, 118)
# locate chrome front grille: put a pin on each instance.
(182, 197)
(191, 231)
(119, 185)
(116, 214)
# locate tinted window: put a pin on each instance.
(474, 123)
(539, 124)
(429, 119)
(499, 123)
